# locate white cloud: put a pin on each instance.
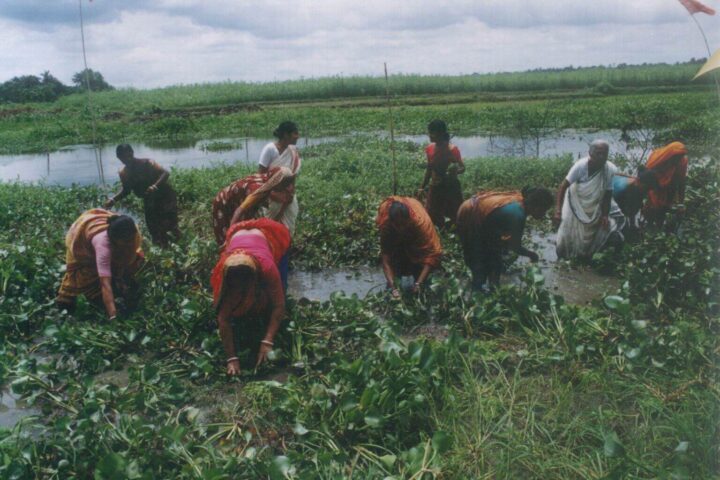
(185, 41)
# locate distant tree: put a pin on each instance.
(53, 87)
(31, 88)
(97, 82)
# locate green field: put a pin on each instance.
(651, 96)
(524, 386)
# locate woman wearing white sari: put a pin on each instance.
(283, 153)
(585, 211)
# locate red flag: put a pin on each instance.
(693, 6)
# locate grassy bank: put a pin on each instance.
(692, 116)
(524, 386)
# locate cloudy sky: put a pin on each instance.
(150, 43)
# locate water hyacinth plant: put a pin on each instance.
(447, 384)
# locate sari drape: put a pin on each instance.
(248, 193)
(276, 234)
(670, 171)
(286, 214)
(81, 276)
(416, 244)
(581, 233)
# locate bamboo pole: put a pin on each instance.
(91, 111)
(392, 130)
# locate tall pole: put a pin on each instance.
(392, 130)
(707, 46)
(98, 160)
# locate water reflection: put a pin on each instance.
(79, 163)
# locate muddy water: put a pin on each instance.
(79, 164)
(13, 409)
(577, 284)
(119, 378)
(320, 285)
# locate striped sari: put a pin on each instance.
(81, 276)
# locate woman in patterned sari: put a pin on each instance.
(245, 199)
(103, 253)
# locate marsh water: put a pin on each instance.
(80, 164)
(577, 284)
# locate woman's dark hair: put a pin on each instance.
(538, 197)
(439, 128)
(285, 128)
(122, 149)
(647, 177)
(121, 227)
(399, 211)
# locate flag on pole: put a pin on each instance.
(694, 6)
(713, 63)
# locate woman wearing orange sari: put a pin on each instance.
(246, 283)
(669, 164)
(103, 253)
(409, 243)
(491, 222)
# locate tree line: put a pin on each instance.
(46, 87)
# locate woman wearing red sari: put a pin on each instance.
(246, 284)
(444, 164)
(669, 164)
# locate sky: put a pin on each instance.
(155, 43)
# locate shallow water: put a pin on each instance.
(576, 284)
(321, 285)
(13, 409)
(119, 378)
(79, 164)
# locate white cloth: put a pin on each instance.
(581, 233)
(268, 154)
(290, 158)
(579, 173)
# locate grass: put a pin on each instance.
(591, 79)
(525, 386)
(222, 110)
